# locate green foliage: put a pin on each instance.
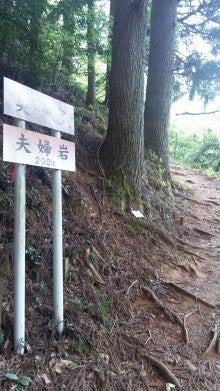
(201, 151)
(64, 46)
(205, 79)
(2, 336)
(20, 29)
(33, 254)
(104, 309)
(208, 156)
(44, 43)
(22, 380)
(32, 199)
(197, 65)
(155, 170)
(5, 199)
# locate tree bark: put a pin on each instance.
(91, 52)
(108, 68)
(159, 82)
(35, 42)
(122, 150)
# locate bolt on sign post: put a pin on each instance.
(26, 147)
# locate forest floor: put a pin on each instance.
(202, 214)
(141, 295)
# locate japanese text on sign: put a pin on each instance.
(24, 146)
(34, 106)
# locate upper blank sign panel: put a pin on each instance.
(34, 106)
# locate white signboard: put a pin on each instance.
(24, 146)
(34, 106)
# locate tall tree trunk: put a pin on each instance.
(91, 52)
(122, 150)
(35, 41)
(108, 68)
(159, 83)
(68, 10)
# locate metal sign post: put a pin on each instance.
(22, 146)
(19, 255)
(57, 247)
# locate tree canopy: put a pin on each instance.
(64, 45)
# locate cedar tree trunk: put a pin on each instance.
(122, 150)
(159, 83)
(90, 100)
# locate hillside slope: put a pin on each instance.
(140, 295)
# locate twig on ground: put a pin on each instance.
(184, 325)
(149, 338)
(185, 330)
(194, 259)
(98, 255)
(133, 283)
(143, 378)
(97, 200)
(96, 274)
(91, 267)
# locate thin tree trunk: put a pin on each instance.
(159, 83)
(90, 100)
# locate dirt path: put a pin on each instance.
(201, 229)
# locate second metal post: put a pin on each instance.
(57, 248)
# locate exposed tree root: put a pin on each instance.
(213, 202)
(182, 248)
(184, 324)
(196, 201)
(182, 242)
(202, 232)
(171, 315)
(165, 237)
(165, 371)
(135, 345)
(183, 290)
(213, 343)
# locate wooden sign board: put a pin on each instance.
(34, 106)
(37, 149)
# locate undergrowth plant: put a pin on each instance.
(5, 199)
(196, 150)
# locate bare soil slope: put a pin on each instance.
(141, 296)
